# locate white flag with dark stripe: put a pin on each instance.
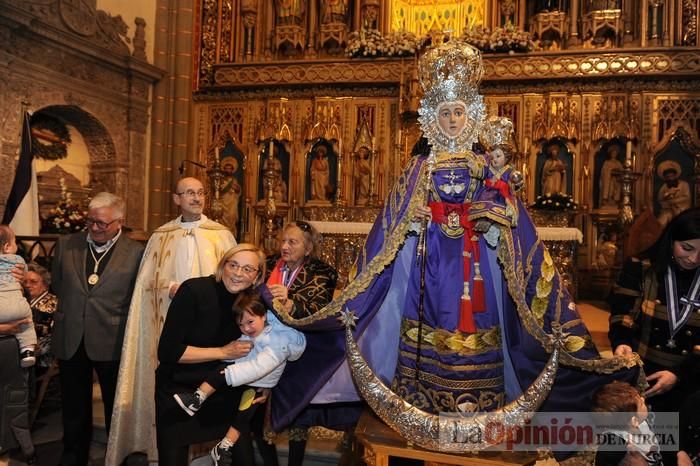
(22, 207)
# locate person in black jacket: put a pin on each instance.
(199, 332)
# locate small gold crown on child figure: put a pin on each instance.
(498, 131)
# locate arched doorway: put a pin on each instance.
(86, 165)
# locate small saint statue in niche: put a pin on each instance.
(290, 12)
(320, 175)
(553, 172)
(548, 6)
(606, 252)
(363, 174)
(610, 189)
(230, 193)
(602, 5)
(334, 11)
(279, 186)
(674, 195)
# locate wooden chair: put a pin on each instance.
(201, 449)
(43, 387)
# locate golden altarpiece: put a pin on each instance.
(313, 104)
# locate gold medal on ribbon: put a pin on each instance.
(93, 278)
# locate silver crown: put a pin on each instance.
(451, 72)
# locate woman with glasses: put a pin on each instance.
(198, 334)
(43, 303)
(298, 285)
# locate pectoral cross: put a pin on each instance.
(452, 187)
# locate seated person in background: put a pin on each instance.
(13, 305)
(43, 304)
(273, 344)
(653, 308)
(630, 432)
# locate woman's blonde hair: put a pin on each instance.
(242, 247)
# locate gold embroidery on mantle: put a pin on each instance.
(449, 342)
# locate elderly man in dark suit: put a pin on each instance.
(93, 276)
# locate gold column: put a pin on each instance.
(172, 103)
(573, 33)
(644, 24)
(357, 16)
(269, 30)
(311, 40)
(522, 11)
(668, 35)
(628, 34)
(654, 39)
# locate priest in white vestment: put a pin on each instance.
(187, 247)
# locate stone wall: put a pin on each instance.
(71, 60)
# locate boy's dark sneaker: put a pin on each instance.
(190, 402)
(27, 358)
(221, 456)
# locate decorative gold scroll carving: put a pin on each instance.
(350, 71)
(532, 66)
(593, 65)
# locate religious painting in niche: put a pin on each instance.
(231, 191)
(554, 175)
(321, 173)
(280, 166)
(674, 189)
(607, 191)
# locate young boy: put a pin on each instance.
(273, 345)
(13, 305)
(627, 408)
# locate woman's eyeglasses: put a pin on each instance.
(247, 269)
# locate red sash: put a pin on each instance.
(276, 274)
(458, 214)
(501, 186)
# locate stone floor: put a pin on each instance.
(321, 451)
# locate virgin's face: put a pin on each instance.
(687, 253)
(240, 271)
(452, 117)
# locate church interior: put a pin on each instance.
(308, 110)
